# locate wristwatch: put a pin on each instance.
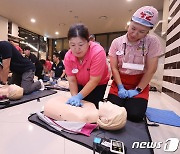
(138, 89)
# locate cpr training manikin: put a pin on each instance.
(109, 116)
(12, 92)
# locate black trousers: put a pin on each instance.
(39, 73)
(96, 95)
(135, 107)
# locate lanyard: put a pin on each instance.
(126, 46)
(130, 65)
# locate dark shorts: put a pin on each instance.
(135, 107)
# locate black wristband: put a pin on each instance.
(138, 89)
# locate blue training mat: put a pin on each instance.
(166, 117)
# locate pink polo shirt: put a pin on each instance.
(19, 49)
(134, 52)
(48, 65)
(94, 64)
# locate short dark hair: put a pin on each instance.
(78, 30)
(56, 54)
(27, 48)
(62, 53)
(43, 62)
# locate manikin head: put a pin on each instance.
(111, 116)
(13, 92)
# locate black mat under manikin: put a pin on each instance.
(132, 132)
(27, 98)
(56, 88)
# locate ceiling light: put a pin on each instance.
(57, 33)
(129, 0)
(128, 23)
(33, 20)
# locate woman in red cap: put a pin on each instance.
(134, 60)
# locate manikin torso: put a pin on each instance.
(56, 108)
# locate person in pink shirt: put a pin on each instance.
(16, 44)
(85, 67)
(134, 60)
(48, 65)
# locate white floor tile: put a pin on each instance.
(19, 113)
(27, 138)
(74, 148)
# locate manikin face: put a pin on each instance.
(79, 47)
(136, 32)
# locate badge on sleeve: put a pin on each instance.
(119, 53)
(75, 70)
